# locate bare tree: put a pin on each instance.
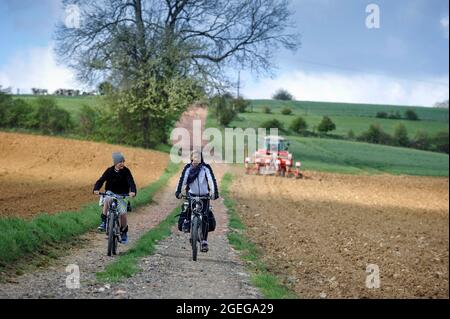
(188, 37)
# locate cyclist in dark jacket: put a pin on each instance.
(119, 180)
(198, 179)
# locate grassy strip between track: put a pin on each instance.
(261, 278)
(20, 238)
(126, 265)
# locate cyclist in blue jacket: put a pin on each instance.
(198, 179)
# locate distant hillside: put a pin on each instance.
(346, 116)
(354, 109)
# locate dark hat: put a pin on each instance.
(117, 158)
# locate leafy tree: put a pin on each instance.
(395, 116)
(411, 115)
(440, 140)
(286, 111)
(153, 105)
(240, 105)
(401, 135)
(382, 115)
(267, 109)
(105, 87)
(326, 125)
(376, 135)
(283, 95)
(18, 115)
(421, 140)
(298, 125)
(49, 118)
(443, 104)
(224, 109)
(88, 120)
(274, 123)
(6, 102)
(351, 134)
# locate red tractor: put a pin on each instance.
(274, 158)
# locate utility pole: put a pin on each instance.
(239, 83)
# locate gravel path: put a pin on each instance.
(171, 273)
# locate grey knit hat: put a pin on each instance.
(117, 158)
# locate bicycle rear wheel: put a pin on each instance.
(116, 237)
(194, 237)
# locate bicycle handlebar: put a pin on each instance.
(196, 197)
(113, 195)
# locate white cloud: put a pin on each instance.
(333, 87)
(444, 24)
(36, 67)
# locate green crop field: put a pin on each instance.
(354, 157)
(356, 117)
(352, 109)
(331, 155)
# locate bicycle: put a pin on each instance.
(113, 225)
(196, 221)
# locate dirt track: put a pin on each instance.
(48, 174)
(321, 233)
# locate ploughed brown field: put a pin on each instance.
(321, 233)
(49, 174)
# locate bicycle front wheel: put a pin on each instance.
(112, 238)
(194, 237)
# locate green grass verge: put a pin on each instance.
(261, 278)
(20, 237)
(126, 265)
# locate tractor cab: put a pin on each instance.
(275, 144)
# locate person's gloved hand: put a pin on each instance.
(215, 196)
(178, 195)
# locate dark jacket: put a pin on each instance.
(120, 182)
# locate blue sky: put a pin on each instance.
(405, 61)
(410, 41)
